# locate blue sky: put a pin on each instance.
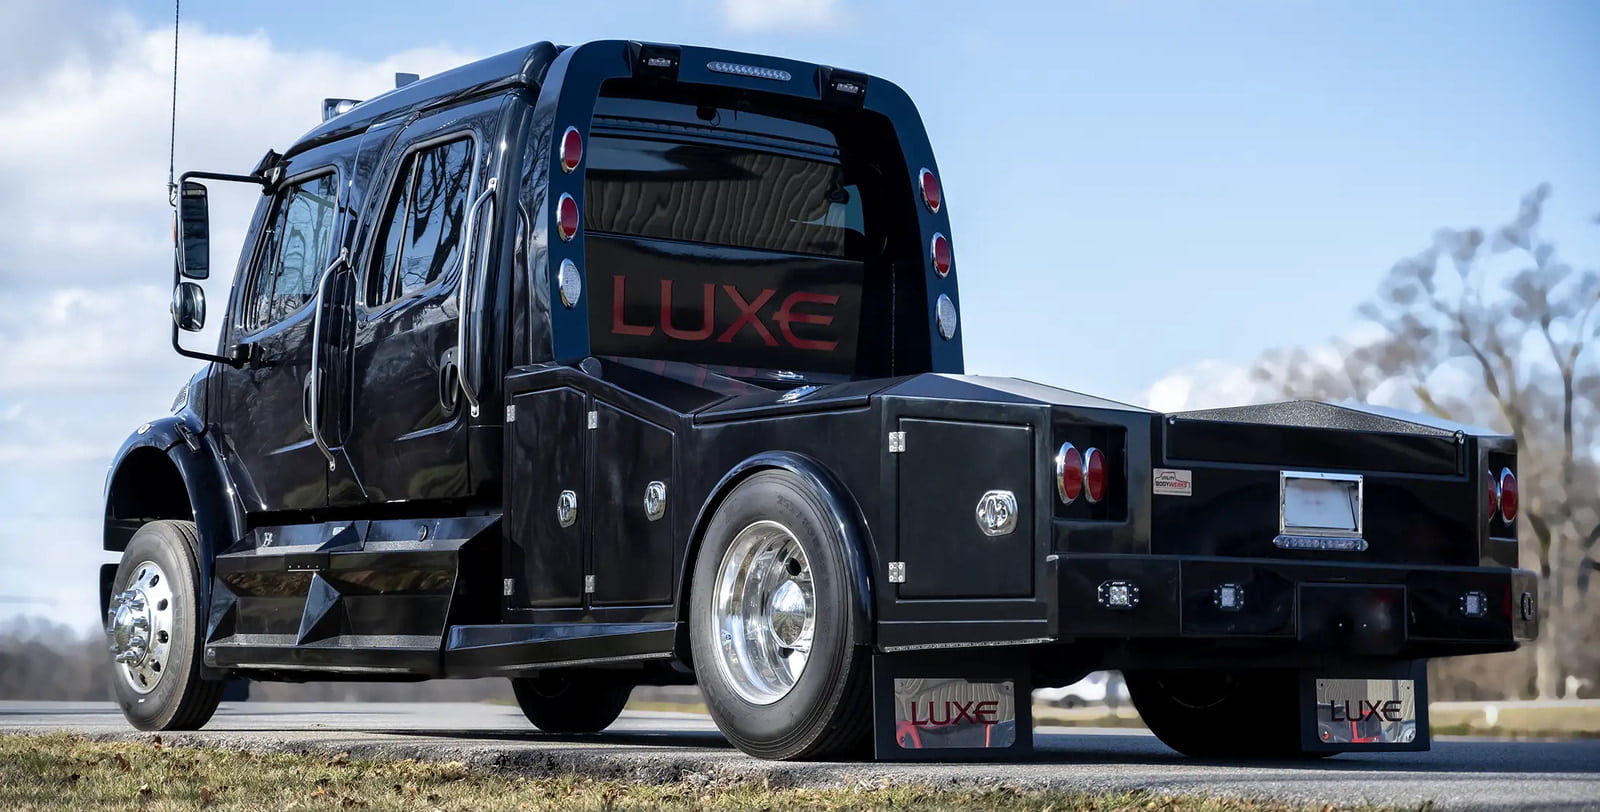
(1141, 192)
(1136, 186)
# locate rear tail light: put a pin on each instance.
(1069, 473)
(567, 217)
(932, 195)
(1508, 495)
(1094, 475)
(1493, 488)
(940, 249)
(571, 149)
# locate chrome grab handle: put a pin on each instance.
(469, 261)
(316, 358)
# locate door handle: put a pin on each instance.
(305, 403)
(464, 291)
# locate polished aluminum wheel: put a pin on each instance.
(764, 612)
(139, 623)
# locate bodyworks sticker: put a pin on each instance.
(1173, 482)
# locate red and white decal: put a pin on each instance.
(1173, 482)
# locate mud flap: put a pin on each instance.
(950, 706)
(1370, 708)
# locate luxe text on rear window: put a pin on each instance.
(723, 195)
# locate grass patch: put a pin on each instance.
(67, 771)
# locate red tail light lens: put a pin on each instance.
(1493, 493)
(1508, 495)
(1094, 475)
(932, 195)
(1069, 473)
(941, 254)
(567, 217)
(571, 149)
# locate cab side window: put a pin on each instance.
(425, 222)
(294, 251)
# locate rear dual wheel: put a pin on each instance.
(571, 702)
(777, 653)
(1208, 713)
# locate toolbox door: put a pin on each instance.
(946, 470)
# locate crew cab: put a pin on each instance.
(628, 363)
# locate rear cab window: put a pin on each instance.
(750, 239)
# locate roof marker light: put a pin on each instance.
(932, 195)
(939, 250)
(753, 71)
(571, 149)
(567, 217)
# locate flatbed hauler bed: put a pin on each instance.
(622, 364)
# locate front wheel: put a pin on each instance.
(776, 649)
(154, 628)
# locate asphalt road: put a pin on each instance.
(646, 746)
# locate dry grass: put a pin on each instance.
(63, 771)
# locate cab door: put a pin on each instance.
(428, 218)
(265, 409)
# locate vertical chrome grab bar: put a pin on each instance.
(316, 357)
(469, 262)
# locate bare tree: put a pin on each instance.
(1494, 328)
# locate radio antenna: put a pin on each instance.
(172, 137)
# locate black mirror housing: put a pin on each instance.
(194, 231)
(189, 307)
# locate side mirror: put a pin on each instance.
(194, 233)
(189, 307)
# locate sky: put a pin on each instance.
(1144, 196)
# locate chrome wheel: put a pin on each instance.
(139, 624)
(764, 612)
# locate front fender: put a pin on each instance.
(134, 486)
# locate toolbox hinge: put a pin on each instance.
(594, 419)
(511, 413)
(897, 442)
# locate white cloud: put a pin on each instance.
(85, 255)
(781, 15)
(1207, 384)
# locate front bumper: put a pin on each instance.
(1320, 609)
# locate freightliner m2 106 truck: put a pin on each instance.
(627, 364)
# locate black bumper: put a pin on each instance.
(1316, 610)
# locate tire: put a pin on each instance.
(1222, 714)
(760, 701)
(163, 689)
(568, 702)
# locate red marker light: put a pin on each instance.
(1508, 495)
(571, 149)
(932, 195)
(1069, 473)
(567, 217)
(1094, 475)
(940, 249)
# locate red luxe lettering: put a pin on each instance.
(750, 317)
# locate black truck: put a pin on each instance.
(626, 363)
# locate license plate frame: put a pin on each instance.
(1321, 505)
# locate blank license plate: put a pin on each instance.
(1321, 503)
(1366, 711)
